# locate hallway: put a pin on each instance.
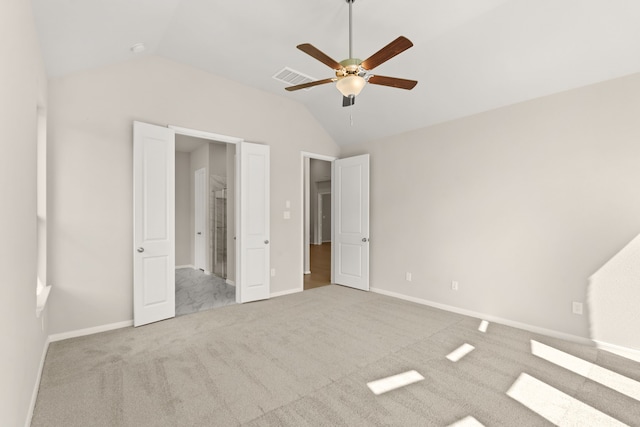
(320, 267)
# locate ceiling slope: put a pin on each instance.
(469, 56)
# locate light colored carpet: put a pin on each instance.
(304, 360)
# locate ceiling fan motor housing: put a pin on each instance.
(350, 67)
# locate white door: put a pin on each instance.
(253, 231)
(350, 245)
(153, 223)
(200, 229)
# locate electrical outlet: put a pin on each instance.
(286, 215)
(577, 308)
(454, 285)
(273, 272)
(407, 276)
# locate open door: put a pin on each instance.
(350, 243)
(200, 226)
(153, 223)
(254, 229)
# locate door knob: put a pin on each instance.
(140, 249)
(364, 239)
(199, 233)
(266, 242)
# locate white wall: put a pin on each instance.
(218, 158)
(521, 205)
(183, 209)
(91, 165)
(23, 89)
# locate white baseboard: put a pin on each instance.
(230, 282)
(629, 353)
(488, 317)
(283, 293)
(90, 331)
(36, 386)
(307, 272)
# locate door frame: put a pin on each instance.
(305, 206)
(228, 140)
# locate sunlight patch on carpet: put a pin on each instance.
(468, 421)
(483, 326)
(601, 375)
(393, 382)
(556, 406)
(460, 352)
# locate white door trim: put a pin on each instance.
(304, 208)
(206, 135)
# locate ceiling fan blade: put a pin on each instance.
(348, 101)
(393, 82)
(394, 48)
(310, 84)
(319, 55)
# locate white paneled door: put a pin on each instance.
(153, 223)
(200, 227)
(254, 230)
(350, 244)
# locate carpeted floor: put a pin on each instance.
(196, 291)
(305, 359)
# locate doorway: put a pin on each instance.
(202, 279)
(317, 212)
(154, 212)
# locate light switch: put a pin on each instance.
(287, 204)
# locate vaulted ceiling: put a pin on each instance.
(469, 56)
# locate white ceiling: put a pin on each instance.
(469, 56)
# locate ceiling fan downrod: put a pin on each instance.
(350, 29)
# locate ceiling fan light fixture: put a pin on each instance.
(351, 85)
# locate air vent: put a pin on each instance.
(293, 77)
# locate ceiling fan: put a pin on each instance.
(352, 73)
